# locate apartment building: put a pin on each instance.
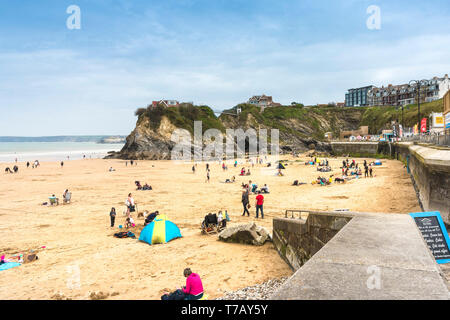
(404, 94)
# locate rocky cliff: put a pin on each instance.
(300, 128)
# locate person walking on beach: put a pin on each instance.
(112, 215)
(370, 171)
(207, 176)
(193, 169)
(28, 164)
(259, 205)
(245, 202)
(366, 171)
(126, 163)
(62, 164)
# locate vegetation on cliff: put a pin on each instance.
(181, 117)
(303, 122)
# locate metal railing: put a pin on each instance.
(293, 212)
(439, 140)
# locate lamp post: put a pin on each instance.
(417, 85)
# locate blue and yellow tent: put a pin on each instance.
(160, 230)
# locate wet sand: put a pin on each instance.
(77, 236)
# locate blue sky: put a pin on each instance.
(56, 81)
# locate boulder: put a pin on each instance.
(245, 233)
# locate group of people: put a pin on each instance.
(144, 187)
(357, 171)
(259, 200)
(15, 169)
(244, 172)
(53, 200)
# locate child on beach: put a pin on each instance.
(112, 215)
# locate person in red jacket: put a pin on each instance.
(194, 287)
(259, 205)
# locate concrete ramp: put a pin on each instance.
(374, 256)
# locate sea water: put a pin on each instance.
(54, 151)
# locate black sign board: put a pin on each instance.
(435, 234)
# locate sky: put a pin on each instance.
(60, 81)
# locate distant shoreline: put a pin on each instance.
(54, 151)
(88, 138)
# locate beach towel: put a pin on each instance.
(8, 265)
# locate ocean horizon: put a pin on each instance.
(54, 151)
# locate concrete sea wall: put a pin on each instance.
(297, 240)
(430, 169)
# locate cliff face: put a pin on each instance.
(299, 128)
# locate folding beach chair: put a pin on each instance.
(53, 201)
(210, 224)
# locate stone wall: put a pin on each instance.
(430, 170)
(363, 149)
(297, 240)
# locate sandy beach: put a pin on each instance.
(77, 236)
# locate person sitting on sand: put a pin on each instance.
(265, 189)
(151, 217)
(232, 180)
(138, 185)
(64, 196)
(147, 187)
(111, 169)
(8, 170)
(53, 200)
(248, 172)
(194, 287)
(129, 222)
(339, 180)
(242, 172)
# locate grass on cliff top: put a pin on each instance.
(379, 118)
(182, 117)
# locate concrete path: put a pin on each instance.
(388, 247)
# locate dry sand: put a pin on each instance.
(77, 236)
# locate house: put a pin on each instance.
(263, 101)
(165, 103)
